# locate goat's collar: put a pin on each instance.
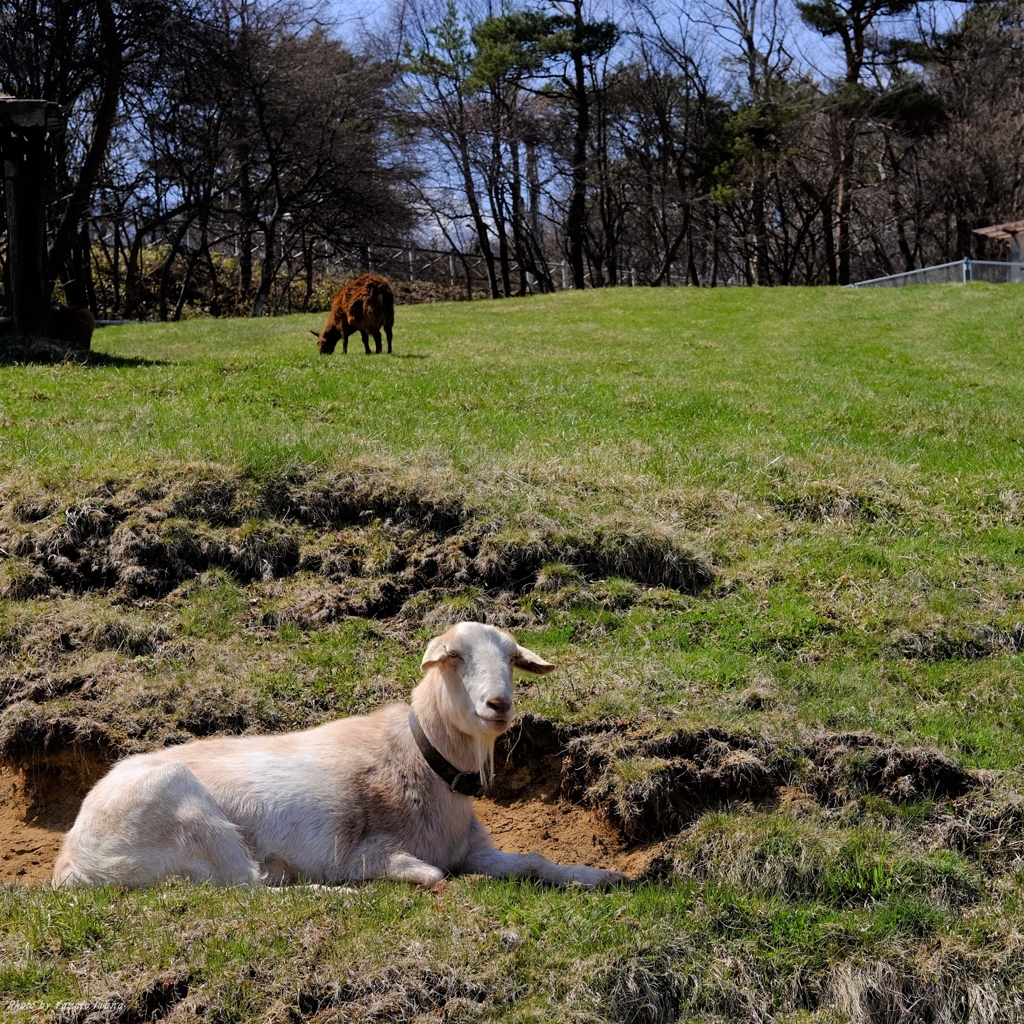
(466, 783)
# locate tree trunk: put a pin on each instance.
(714, 248)
(307, 255)
(761, 272)
(518, 240)
(245, 223)
(495, 174)
(478, 220)
(268, 270)
(25, 191)
(533, 185)
(79, 291)
(498, 219)
(578, 196)
(103, 125)
(190, 267)
(211, 266)
(844, 210)
(673, 249)
(830, 244)
(165, 274)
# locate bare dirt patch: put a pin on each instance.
(27, 852)
(38, 804)
(542, 821)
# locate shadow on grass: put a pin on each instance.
(48, 353)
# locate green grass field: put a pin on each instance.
(772, 538)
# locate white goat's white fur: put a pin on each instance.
(353, 799)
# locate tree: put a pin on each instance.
(754, 34)
(510, 53)
(972, 163)
(438, 64)
(306, 153)
(580, 42)
(854, 23)
(82, 55)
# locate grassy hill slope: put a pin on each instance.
(772, 538)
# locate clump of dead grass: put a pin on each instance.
(826, 500)
(395, 540)
(651, 786)
(21, 579)
(644, 986)
(841, 767)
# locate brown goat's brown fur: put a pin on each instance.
(366, 305)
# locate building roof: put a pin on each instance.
(1004, 231)
(15, 113)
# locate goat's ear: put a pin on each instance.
(436, 652)
(530, 662)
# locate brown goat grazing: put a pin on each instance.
(366, 305)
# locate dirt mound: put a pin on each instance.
(967, 642)
(820, 501)
(382, 542)
(606, 798)
(990, 831)
(651, 786)
(842, 767)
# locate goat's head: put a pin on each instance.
(327, 339)
(475, 662)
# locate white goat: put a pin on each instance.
(384, 795)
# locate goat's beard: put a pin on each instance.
(464, 724)
(485, 758)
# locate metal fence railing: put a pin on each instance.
(995, 272)
(447, 267)
(960, 272)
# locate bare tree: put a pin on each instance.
(82, 55)
(438, 101)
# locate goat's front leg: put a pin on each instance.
(396, 864)
(484, 859)
(407, 868)
(366, 341)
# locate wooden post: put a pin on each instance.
(23, 127)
